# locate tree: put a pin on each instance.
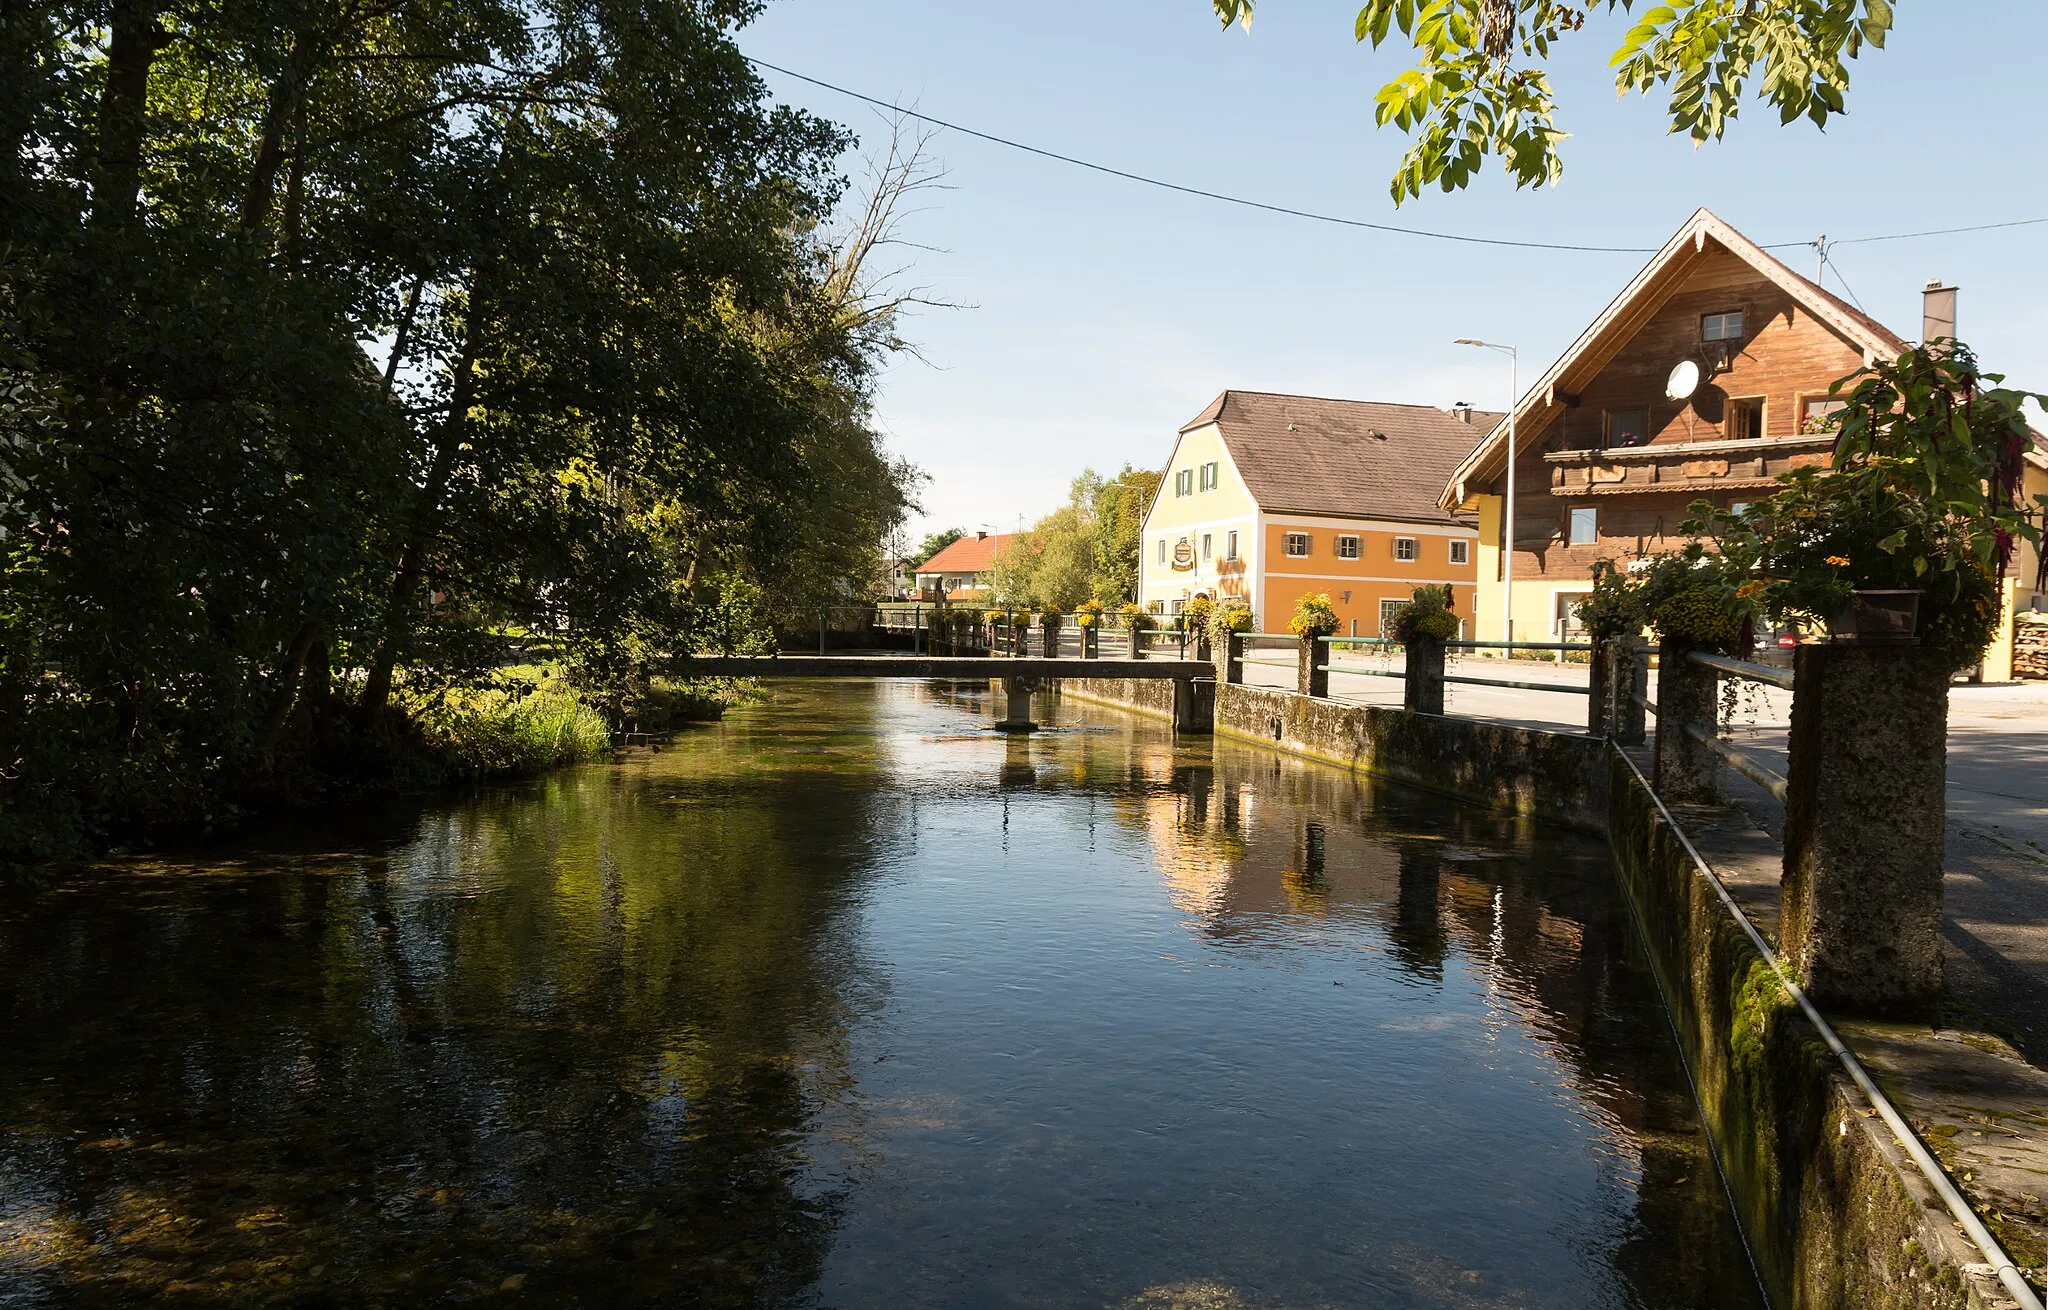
(1053, 563)
(618, 396)
(1468, 96)
(936, 542)
(1120, 507)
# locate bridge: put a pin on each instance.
(1194, 681)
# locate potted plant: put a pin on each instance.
(1427, 615)
(1088, 614)
(1907, 536)
(1315, 617)
(1194, 617)
(1705, 601)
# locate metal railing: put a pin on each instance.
(1745, 762)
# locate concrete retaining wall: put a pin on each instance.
(1152, 697)
(1559, 777)
(1835, 1214)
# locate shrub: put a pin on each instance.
(1708, 600)
(1427, 614)
(1315, 615)
(1230, 616)
(513, 730)
(1614, 608)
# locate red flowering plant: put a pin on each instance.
(1924, 495)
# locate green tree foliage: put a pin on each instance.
(1053, 562)
(1120, 506)
(337, 338)
(936, 542)
(1479, 85)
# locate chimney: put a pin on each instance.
(981, 536)
(1463, 409)
(1937, 312)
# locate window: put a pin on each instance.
(1206, 552)
(1404, 549)
(1209, 477)
(1184, 482)
(1817, 413)
(1390, 614)
(1628, 427)
(1739, 507)
(1746, 420)
(1461, 552)
(1230, 545)
(1585, 526)
(1721, 327)
(1347, 548)
(1162, 550)
(1297, 545)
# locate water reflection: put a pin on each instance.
(850, 1001)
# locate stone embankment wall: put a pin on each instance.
(1836, 1216)
(1152, 697)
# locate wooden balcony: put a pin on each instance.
(1692, 467)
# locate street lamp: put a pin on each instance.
(1507, 574)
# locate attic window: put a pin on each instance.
(1721, 327)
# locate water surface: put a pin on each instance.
(849, 1001)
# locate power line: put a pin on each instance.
(1197, 191)
(1332, 218)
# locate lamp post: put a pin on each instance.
(1507, 570)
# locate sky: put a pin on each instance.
(1094, 316)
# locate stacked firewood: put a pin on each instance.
(2030, 645)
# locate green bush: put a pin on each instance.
(1427, 614)
(1230, 617)
(1315, 615)
(513, 729)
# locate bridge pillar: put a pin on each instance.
(1017, 705)
(1194, 705)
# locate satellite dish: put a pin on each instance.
(1684, 380)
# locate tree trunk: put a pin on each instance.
(287, 692)
(412, 557)
(124, 106)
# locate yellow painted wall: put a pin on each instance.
(1217, 512)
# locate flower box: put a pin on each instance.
(1876, 618)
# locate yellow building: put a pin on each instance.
(1270, 497)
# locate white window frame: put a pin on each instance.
(1461, 551)
(1390, 607)
(1230, 545)
(1407, 550)
(1288, 540)
(1162, 550)
(1348, 546)
(1571, 534)
(1208, 539)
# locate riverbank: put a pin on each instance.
(523, 721)
(1836, 1213)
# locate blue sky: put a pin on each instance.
(1102, 314)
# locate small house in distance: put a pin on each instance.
(1705, 379)
(1270, 497)
(965, 570)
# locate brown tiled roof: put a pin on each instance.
(968, 555)
(1343, 458)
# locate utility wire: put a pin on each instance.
(1332, 218)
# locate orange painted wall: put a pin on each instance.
(1376, 575)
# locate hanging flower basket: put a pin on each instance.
(1876, 618)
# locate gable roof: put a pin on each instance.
(968, 555)
(1342, 458)
(1629, 311)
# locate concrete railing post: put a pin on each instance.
(1687, 771)
(1866, 818)
(1628, 686)
(1088, 646)
(1230, 659)
(1311, 679)
(1599, 688)
(1049, 637)
(1423, 687)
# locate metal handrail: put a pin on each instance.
(1518, 645)
(1743, 762)
(1350, 672)
(1520, 686)
(1271, 664)
(1763, 673)
(1362, 641)
(1645, 702)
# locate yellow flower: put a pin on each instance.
(1839, 561)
